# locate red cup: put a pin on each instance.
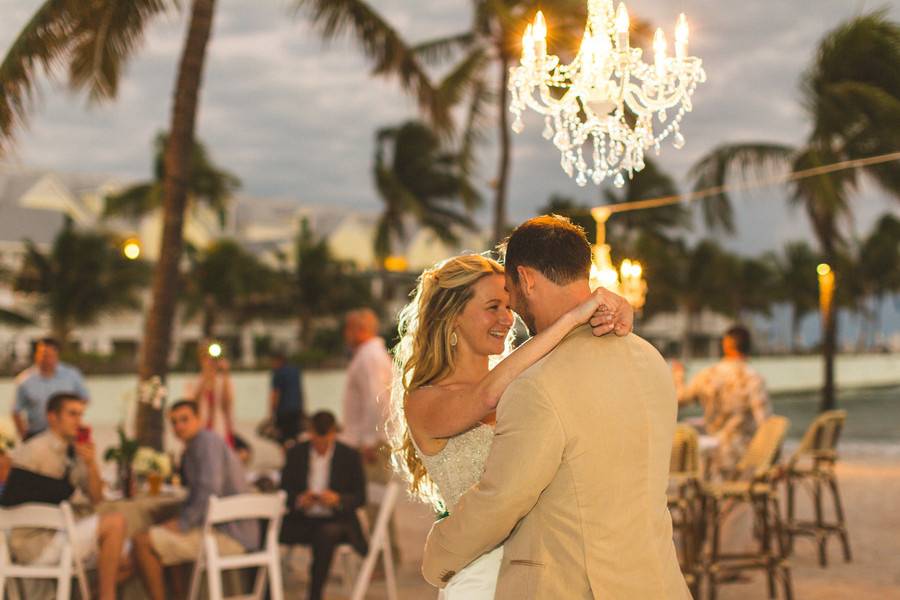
(84, 435)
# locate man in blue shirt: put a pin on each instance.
(208, 468)
(35, 385)
(285, 398)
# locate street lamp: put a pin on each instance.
(131, 249)
(826, 290)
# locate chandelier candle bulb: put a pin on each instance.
(528, 46)
(659, 52)
(622, 26)
(539, 31)
(681, 37)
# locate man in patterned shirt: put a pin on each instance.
(733, 397)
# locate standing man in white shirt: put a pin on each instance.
(367, 401)
(367, 392)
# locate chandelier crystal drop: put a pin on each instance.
(601, 109)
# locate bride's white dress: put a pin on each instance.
(454, 470)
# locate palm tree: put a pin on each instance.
(83, 276)
(689, 279)
(851, 94)
(225, 280)
(878, 267)
(207, 183)
(479, 79)
(624, 228)
(95, 39)
(418, 178)
(322, 286)
(796, 283)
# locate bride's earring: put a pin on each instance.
(453, 339)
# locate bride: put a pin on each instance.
(445, 393)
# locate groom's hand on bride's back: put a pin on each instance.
(613, 314)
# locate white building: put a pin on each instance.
(35, 204)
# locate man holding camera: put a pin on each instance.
(325, 485)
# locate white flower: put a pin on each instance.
(147, 460)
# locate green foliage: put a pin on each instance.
(123, 454)
(416, 177)
(227, 280)
(208, 184)
(796, 282)
(323, 286)
(381, 43)
(82, 277)
(92, 40)
(851, 94)
(623, 229)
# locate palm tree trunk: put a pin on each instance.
(505, 147)
(158, 326)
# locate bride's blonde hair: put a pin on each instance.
(425, 354)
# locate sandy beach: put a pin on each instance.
(869, 476)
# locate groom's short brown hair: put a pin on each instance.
(550, 244)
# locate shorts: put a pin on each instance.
(177, 547)
(86, 546)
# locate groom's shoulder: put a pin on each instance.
(582, 346)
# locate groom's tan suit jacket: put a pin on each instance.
(575, 484)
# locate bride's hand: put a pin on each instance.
(613, 314)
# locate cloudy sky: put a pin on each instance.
(295, 118)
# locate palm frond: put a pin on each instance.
(824, 197)
(14, 319)
(865, 49)
(750, 160)
(463, 78)
(106, 36)
(42, 44)
(438, 51)
(133, 202)
(380, 42)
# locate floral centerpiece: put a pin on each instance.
(148, 461)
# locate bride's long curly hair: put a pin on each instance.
(425, 355)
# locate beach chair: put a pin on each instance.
(41, 516)
(755, 485)
(267, 560)
(812, 466)
(684, 499)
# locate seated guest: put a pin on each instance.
(325, 485)
(208, 468)
(58, 465)
(734, 399)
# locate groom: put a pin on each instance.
(575, 484)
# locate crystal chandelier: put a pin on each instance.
(628, 280)
(604, 102)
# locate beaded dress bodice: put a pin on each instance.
(460, 464)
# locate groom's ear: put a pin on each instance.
(526, 279)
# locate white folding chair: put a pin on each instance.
(380, 543)
(42, 516)
(238, 508)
